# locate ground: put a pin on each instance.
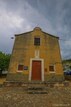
(18, 96)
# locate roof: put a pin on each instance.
(37, 28)
(50, 34)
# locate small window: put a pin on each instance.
(51, 68)
(20, 67)
(37, 41)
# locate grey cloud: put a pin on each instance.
(53, 16)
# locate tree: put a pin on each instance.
(4, 61)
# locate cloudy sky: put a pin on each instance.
(18, 16)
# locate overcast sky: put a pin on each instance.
(19, 16)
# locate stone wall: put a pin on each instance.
(24, 50)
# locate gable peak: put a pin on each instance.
(37, 28)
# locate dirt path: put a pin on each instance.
(18, 97)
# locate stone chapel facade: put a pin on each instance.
(35, 57)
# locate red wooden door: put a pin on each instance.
(36, 70)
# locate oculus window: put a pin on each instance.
(37, 41)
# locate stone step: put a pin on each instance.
(16, 83)
(34, 83)
(37, 92)
(36, 89)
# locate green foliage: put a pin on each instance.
(67, 61)
(4, 61)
